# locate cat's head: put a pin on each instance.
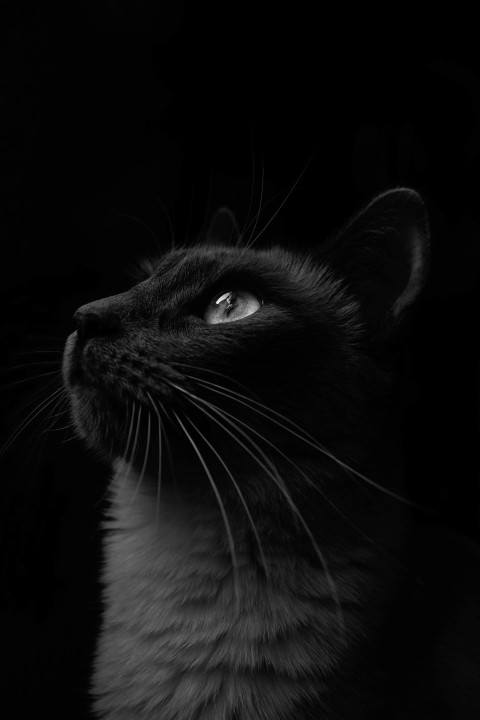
(229, 348)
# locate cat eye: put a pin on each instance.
(230, 306)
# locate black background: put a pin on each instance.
(124, 122)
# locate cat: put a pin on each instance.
(259, 559)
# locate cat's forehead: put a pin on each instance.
(199, 262)
(199, 258)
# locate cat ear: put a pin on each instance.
(383, 254)
(223, 228)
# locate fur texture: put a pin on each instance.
(256, 551)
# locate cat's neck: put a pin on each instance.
(180, 527)
(187, 534)
(171, 590)
(182, 544)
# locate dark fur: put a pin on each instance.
(325, 352)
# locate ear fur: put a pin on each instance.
(383, 254)
(223, 228)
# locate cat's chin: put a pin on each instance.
(97, 418)
(69, 361)
(77, 372)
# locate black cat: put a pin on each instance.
(259, 557)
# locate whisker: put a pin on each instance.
(63, 427)
(133, 454)
(312, 484)
(33, 396)
(60, 413)
(12, 368)
(145, 460)
(265, 205)
(283, 203)
(168, 448)
(240, 494)
(228, 529)
(330, 502)
(46, 425)
(51, 417)
(159, 479)
(129, 461)
(35, 352)
(29, 379)
(65, 411)
(214, 372)
(250, 204)
(170, 224)
(305, 437)
(70, 439)
(249, 242)
(29, 419)
(142, 224)
(123, 456)
(271, 470)
(130, 429)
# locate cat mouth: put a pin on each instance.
(78, 379)
(84, 377)
(113, 381)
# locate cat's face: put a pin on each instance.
(279, 325)
(229, 344)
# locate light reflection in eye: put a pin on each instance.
(226, 296)
(230, 306)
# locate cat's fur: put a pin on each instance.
(271, 576)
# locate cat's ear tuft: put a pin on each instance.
(383, 254)
(223, 228)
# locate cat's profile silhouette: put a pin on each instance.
(260, 562)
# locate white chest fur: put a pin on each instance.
(175, 643)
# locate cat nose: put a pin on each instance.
(94, 321)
